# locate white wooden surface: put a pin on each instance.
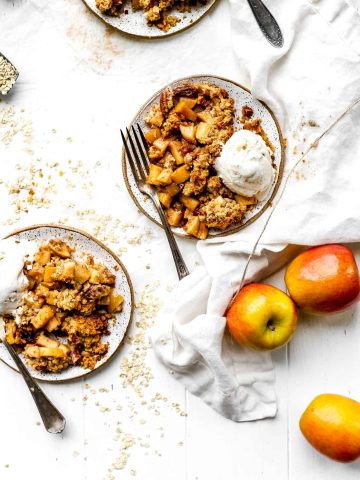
(80, 83)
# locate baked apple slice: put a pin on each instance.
(188, 132)
(202, 132)
(180, 175)
(192, 226)
(189, 202)
(174, 217)
(152, 135)
(175, 149)
(185, 111)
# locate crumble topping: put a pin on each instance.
(187, 131)
(156, 11)
(65, 311)
(222, 212)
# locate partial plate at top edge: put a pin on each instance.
(134, 22)
(85, 244)
(242, 96)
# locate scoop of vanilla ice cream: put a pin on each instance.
(245, 164)
(13, 282)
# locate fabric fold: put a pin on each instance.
(308, 83)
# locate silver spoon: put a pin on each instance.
(267, 23)
(53, 420)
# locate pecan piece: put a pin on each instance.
(166, 100)
(186, 90)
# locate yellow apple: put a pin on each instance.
(262, 317)
(331, 424)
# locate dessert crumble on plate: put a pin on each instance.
(188, 129)
(65, 310)
(156, 11)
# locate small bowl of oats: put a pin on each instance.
(8, 75)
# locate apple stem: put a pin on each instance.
(271, 326)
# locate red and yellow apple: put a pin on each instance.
(323, 279)
(331, 424)
(262, 317)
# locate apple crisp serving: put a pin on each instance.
(156, 11)
(187, 131)
(65, 310)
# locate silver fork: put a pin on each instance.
(139, 163)
(53, 420)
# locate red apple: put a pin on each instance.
(262, 317)
(323, 279)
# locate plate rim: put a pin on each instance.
(276, 186)
(151, 37)
(131, 288)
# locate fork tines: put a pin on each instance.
(136, 152)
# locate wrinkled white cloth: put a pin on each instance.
(308, 83)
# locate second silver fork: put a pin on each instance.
(136, 153)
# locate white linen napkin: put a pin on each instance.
(309, 84)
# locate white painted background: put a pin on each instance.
(81, 80)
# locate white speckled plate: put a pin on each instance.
(134, 22)
(242, 97)
(84, 244)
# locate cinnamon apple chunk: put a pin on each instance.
(161, 145)
(175, 149)
(10, 332)
(165, 177)
(158, 175)
(49, 274)
(45, 341)
(165, 199)
(34, 351)
(202, 232)
(187, 214)
(246, 201)
(115, 303)
(172, 189)
(185, 111)
(82, 273)
(168, 193)
(181, 174)
(189, 202)
(59, 248)
(152, 135)
(192, 226)
(202, 132)
(54, 323)
(42, 257)
(43, 316)
(205, 116)
(36, 274)
(189, 102)
(174, 217)
(188, 132)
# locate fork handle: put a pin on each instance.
(53, 420)
(178, 259)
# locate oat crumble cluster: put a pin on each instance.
(187, 131)
(65, 310)
(156, 11)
